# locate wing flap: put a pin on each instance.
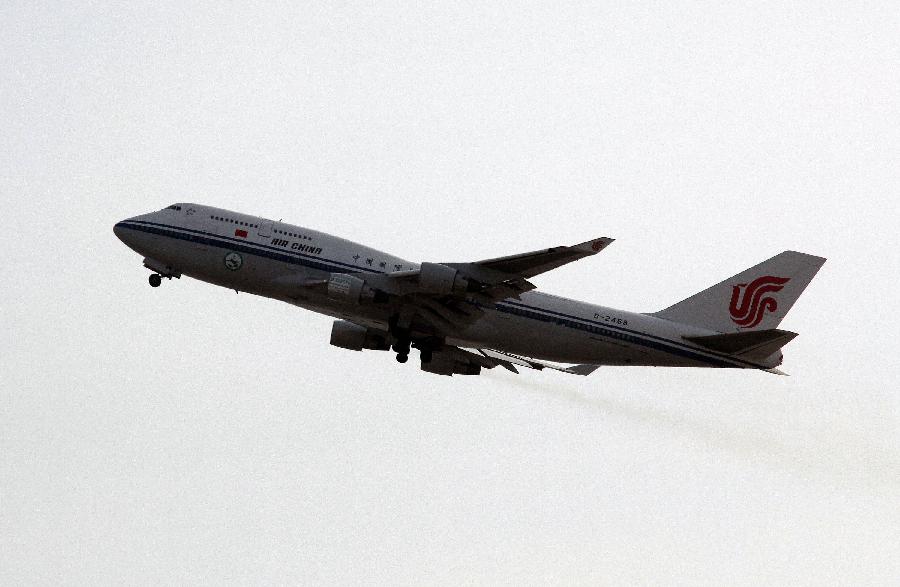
(490, 358)
(538, 365)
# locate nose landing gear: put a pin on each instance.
(159, 270)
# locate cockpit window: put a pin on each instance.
(174, 207)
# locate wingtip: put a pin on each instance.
(595, 245)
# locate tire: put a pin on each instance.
(401, 346)
(155, 280)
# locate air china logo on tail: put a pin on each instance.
(749, 302)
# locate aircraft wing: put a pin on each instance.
(505, 277)
(536, 262)
(490, 279)
(449, 295)
(452, 359)
(535, 364)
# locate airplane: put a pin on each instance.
(463, 317)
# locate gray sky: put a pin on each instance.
(188, 434)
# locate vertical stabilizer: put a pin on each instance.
(756, 299)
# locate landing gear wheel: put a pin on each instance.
(401, 346)
(155, 280)
(401, 358)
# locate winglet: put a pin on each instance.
(594, 245)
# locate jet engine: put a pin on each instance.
(354, 337)
(350, 288)
(436, 278)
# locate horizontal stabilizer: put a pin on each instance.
(752, 343)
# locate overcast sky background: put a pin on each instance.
(188, 434)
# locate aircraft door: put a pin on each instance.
(265, 227)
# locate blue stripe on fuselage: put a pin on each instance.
(625, 335)
(242, 245)
(505, 306)
(627, 332)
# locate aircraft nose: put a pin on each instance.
(123, 230)
(119, 230)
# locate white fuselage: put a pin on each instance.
(275, 260)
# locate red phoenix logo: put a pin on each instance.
(749, 302)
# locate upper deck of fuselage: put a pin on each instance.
(229, 228)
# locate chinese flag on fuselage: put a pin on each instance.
(240, 233)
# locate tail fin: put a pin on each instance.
(756, 299)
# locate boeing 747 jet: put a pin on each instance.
(467, 316)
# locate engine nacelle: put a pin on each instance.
(354, 337)
(446, 364)
(349, 288)
(440, 279)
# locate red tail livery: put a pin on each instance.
(748, 304)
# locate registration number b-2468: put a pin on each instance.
(610, 319)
